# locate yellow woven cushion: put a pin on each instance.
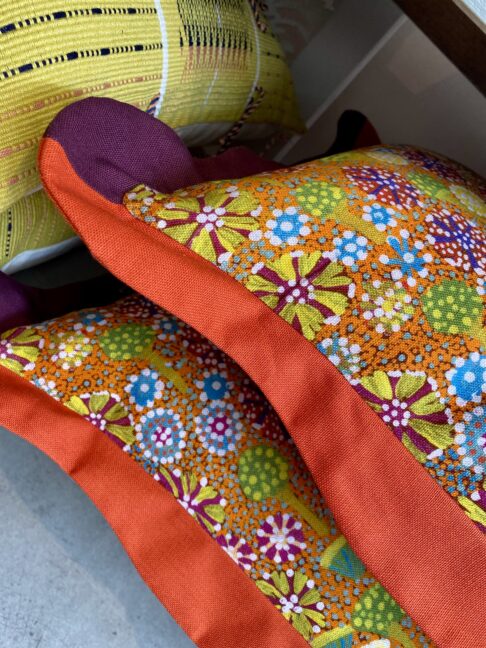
(32, 230)
(196, 64)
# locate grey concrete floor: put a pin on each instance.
(65, 580)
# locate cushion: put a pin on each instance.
(199, 66)
(351, 290)
(201, 442)
(32, 231)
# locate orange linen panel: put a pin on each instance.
(412, 536)
(198, 583)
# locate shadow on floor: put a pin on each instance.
(65, 580)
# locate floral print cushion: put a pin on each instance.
(195, 422)
(378, 258)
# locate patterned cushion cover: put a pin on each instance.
(190, 418)
(385, 278)
(351, 289)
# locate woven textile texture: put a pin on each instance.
(31, 223)
(351, 290)
(195, 64)
(194, 421)
(378, 257)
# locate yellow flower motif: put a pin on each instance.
(211, 224)
(19, 348)
(387, 156)
(297, 598)
(307, 290)
(107, 413)
(71, 350)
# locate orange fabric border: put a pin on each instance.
(203, 589)
(412, 536)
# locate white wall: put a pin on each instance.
(411, 93)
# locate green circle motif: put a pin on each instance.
(376, 611)
(319, 198)
(452, 307)
(126, 341)
(263, 472)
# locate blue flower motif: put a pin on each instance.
(467, 378)
(215, 386)
(350, 248)
(287, 226)
(219, 427)
(49, 386)
(144, 388)
(160, 436)
(408, 259)
(471, 439)
(381, 216)
(168, 327)
(341, 353)
(92, 319)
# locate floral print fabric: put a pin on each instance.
(377, 257)
(196, 423)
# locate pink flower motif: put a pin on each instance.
(237, 549)
(280, 537)
(136, 307)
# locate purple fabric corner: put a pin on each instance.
(16, 306)
(21, 305)
(113, 146)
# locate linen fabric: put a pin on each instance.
(190, 418)
(351, 290)
(382, 275)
